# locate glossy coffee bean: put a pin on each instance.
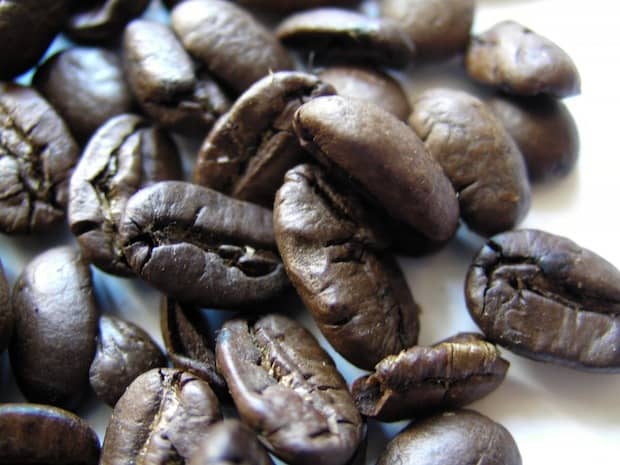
(6, 312)
(544, 297)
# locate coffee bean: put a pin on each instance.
(6, 312)
(335, 34)
(544, 131)
(544, 297)
(37, 154)
(123, 155)
(282, 6)
(288, 389)
(160, 419)
(40, 434)
(372, 146)
(224, 249)
(336, 259)
(55, 329)
(124, 352)
(480, 158)
(250, 149)
(521, 62)
(419, 380)
(453, 438)
(234, 46)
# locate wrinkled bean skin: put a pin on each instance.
(338, 263)
(251, 148)
(287, 388)
(335, 130)
(419, 380)
(121, 157)
(124, 352)
(160, 419)
(40, 435)
(224, 249)
(53, 297)
(335, 34)
(544, 297)
(37, 155)
(452, 438)
(521, 62)
(477, 154)
(6, 312)
(234, 46)
(544, 131)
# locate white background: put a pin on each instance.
(557, 415)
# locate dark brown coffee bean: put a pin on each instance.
(160, 420)
(230, 442)
(222, 249)
(251, 148)
(521, 62)
(187, 339)
(419, 380)
(123, 155)
(39, 435)
(544, 131)
(165, 82)
(37, 154)
(124, 352)
(480, 158)
(544, 297)
(372, 146)
(6, 312)
(235, 47)
(337, 261)
(334, 34)
(371, 85)
(453, 438)
(287, 388)
(55, 329)
(439, 28)
(85, 86)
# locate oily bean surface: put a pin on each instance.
(419, 380)
(336, 258)
(477, 154)
(39, 435)
(287, 388)
(544, 297)
(52, 298)
(6, 311)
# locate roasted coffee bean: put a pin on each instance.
(334, 34)
(287, 5)
(86, 87)
(287, 388)
(384, 157)
(37, 154)
(218, 251)
(251, 148)
(521, 62)
(230, 442)
(453, 438)
(55, 329)
(27, 28)
(123, 155)
(438, 28)
(165, 81)
(544, 297)
(124, 352)
(419, 380)
(371, 85)
(6, 312)
(544, 131)
(160, 420)
(102, 20)
(40, 435)
(336, 259)
(234, 46)
(480, 158)
(187, 339)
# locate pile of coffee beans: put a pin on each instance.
(259, 157)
